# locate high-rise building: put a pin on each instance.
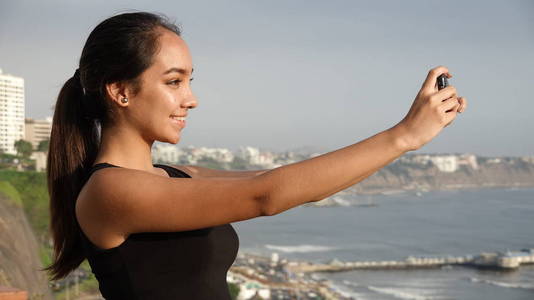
(11, 111)
(37, 130)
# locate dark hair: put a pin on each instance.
(118, 49)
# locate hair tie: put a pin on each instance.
(76, 75)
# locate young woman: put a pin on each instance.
(154, 231)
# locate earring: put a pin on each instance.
(124, 100)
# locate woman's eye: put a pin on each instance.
(174, 82)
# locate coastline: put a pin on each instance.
(340, 198)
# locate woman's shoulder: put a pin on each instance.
(122, 201)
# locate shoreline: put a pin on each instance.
(338, 199)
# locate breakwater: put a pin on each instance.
(499, 260)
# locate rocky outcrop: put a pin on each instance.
(19, 251)
(406, 177)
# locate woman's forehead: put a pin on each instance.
(173, 53)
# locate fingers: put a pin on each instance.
(450, 104)
(444, 94)
(463, 104)
(450, 107)
(430, 82)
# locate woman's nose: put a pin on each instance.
(191, 101)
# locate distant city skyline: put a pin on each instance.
(284, 75)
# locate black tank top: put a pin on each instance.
(165, 265)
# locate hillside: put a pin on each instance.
(19, 249)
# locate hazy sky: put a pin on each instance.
(284, 74)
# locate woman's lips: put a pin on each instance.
(178, 122)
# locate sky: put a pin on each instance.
(282, 75)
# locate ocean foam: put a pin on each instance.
(503, 284)
(345, 292)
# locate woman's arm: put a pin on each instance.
(319, 177)
(316, 178)
(203, 172)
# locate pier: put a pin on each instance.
(505, 261)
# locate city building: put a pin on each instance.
(469, 160)
(446, 163)
(162, 153)
(11, 111)
(37, 130)
(255, 156)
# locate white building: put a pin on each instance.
(418, 158)
(446, 163)
(162, 153)
(274, 259)
(218, 154)
(37, 130)
(468, 160)
(254, 156)
(40, 160)
(194, 154)
(11, 111)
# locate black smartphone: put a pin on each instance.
(443, 81)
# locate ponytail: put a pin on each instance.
(73, 148)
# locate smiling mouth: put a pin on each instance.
(178, 120)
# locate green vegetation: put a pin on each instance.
(10, 192)
(33, 191)
(87, 286)
(43, 145)
(45, 254)
(24, 148)
(29, 190)
(7, 160)
(234, 290)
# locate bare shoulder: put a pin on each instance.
(88, 211)
(116, 202)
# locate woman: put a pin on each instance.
(147, 232)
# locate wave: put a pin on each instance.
(340, 201)
(346, 282)
(503, 284)
(300, 248)
(346, 292)
(405, 294)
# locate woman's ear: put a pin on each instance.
(116, 91)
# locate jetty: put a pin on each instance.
(508, 260)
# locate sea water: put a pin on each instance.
(437, 223)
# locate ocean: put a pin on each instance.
(393, 227)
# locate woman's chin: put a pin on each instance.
(174, 139)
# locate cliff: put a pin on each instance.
(19, 250)
(417, 177)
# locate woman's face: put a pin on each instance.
(165, 91)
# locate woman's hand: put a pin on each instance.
(431, 111)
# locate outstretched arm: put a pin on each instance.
(319, 177)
